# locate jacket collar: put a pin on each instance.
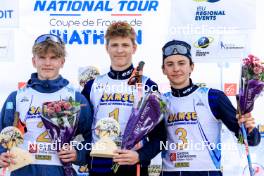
(121, 75)
(184, 91)
(46, 86)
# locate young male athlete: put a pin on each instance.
(112, 97)
(195, 118)
(43, 86)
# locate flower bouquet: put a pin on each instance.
(251, 85)
(61, 119)
(143, 119)
(147, 112)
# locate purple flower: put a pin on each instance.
(251, 85)
(60, 118)
(142, 120)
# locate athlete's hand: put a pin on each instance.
(126, 157)
(67, 154)
(5, 159)
(248, 121)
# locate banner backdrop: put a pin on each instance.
(213, 14)
(82, 25)
(217, 47)
(9, 13)
(214, 27)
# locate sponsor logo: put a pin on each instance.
(6, 13)
(9, 13)
(24, 99)
(200, 103)
(117, 97)
(33, 112)
(154, 169)
(182, 116)
(187, 90)
(127, 73)
(173, 156)
(100, 86)
(203, 42)
(182, 164)
(230, 89)
(42, 157)
(203, 14)
(230, 46)
(33, 148)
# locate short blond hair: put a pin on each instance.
(120, 29)
(49, 46)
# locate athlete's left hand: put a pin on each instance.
(126, 157)
(67, 154)
(248, 121)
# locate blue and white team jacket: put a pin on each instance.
(193, 126)
(111, 96)
(28, 102)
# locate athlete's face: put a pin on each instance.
(48, 65)
(178, 69)
(120, 50)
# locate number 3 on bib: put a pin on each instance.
(182, 133)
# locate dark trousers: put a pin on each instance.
(123, 171)
(102, 167)
(192, 173)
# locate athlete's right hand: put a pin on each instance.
(5, 159)
(248, 120)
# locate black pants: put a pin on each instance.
(192, 173)
(123, 171)
(102, 167)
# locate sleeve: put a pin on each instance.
(153, 146)
(85, 129)
(87, 91)
(254, 137)
(223, 109)
(7, 114)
